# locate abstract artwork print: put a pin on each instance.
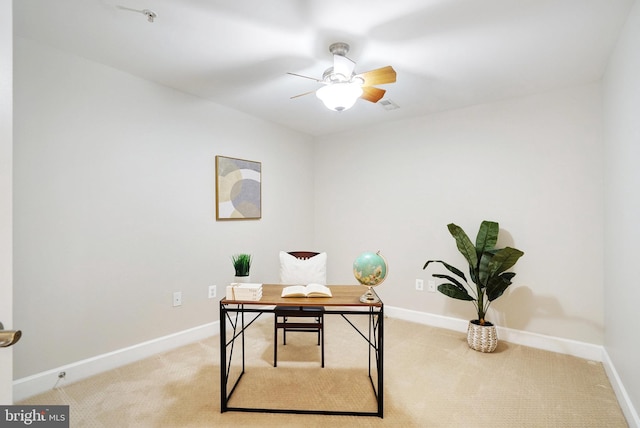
(238, 189)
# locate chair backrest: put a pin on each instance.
(303, 267)
(303, 255)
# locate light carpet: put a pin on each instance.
(431, 379)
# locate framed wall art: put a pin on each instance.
(238, 189)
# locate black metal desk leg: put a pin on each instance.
(223, 358)
(380, 361)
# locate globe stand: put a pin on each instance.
(369, 296)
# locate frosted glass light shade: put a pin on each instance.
(339, 96)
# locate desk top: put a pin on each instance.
(343, 295)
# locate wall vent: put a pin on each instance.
(388, 104)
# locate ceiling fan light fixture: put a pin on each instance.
(339, 96)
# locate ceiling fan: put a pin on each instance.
(342, 87)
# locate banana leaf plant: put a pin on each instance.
(487, 268)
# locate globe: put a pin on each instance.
(370, 269)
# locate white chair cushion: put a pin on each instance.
(302, 272)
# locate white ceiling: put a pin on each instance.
(447, 53)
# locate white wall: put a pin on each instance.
(6, 170)
(622, 230)
(532, 164)
(114, 206)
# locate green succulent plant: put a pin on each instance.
(487, 268)
(241, 263)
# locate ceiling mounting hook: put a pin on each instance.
(151, 15)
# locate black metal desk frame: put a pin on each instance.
(233, 313)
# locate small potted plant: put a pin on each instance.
(487, 271)
(241, 264)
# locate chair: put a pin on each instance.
(309, 319)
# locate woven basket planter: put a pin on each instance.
(483, 338)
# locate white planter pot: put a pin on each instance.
(242, 279)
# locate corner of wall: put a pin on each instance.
(621, 393)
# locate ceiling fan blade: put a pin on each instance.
(379, 76)
(301, 95)
(371, 93)
(343, 65)
(306, 77)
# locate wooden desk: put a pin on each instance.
(344, 302)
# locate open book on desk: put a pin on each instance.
(310, 290)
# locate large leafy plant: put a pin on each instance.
(487, 268)
(241, 263)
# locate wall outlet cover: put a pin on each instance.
(177, 298)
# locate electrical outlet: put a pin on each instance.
(431, 286)
(177, 298)
(212, 291)
(419, 285)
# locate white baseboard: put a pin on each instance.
(432, 320)
(548, 343)
(41, 382)
(621, 393)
